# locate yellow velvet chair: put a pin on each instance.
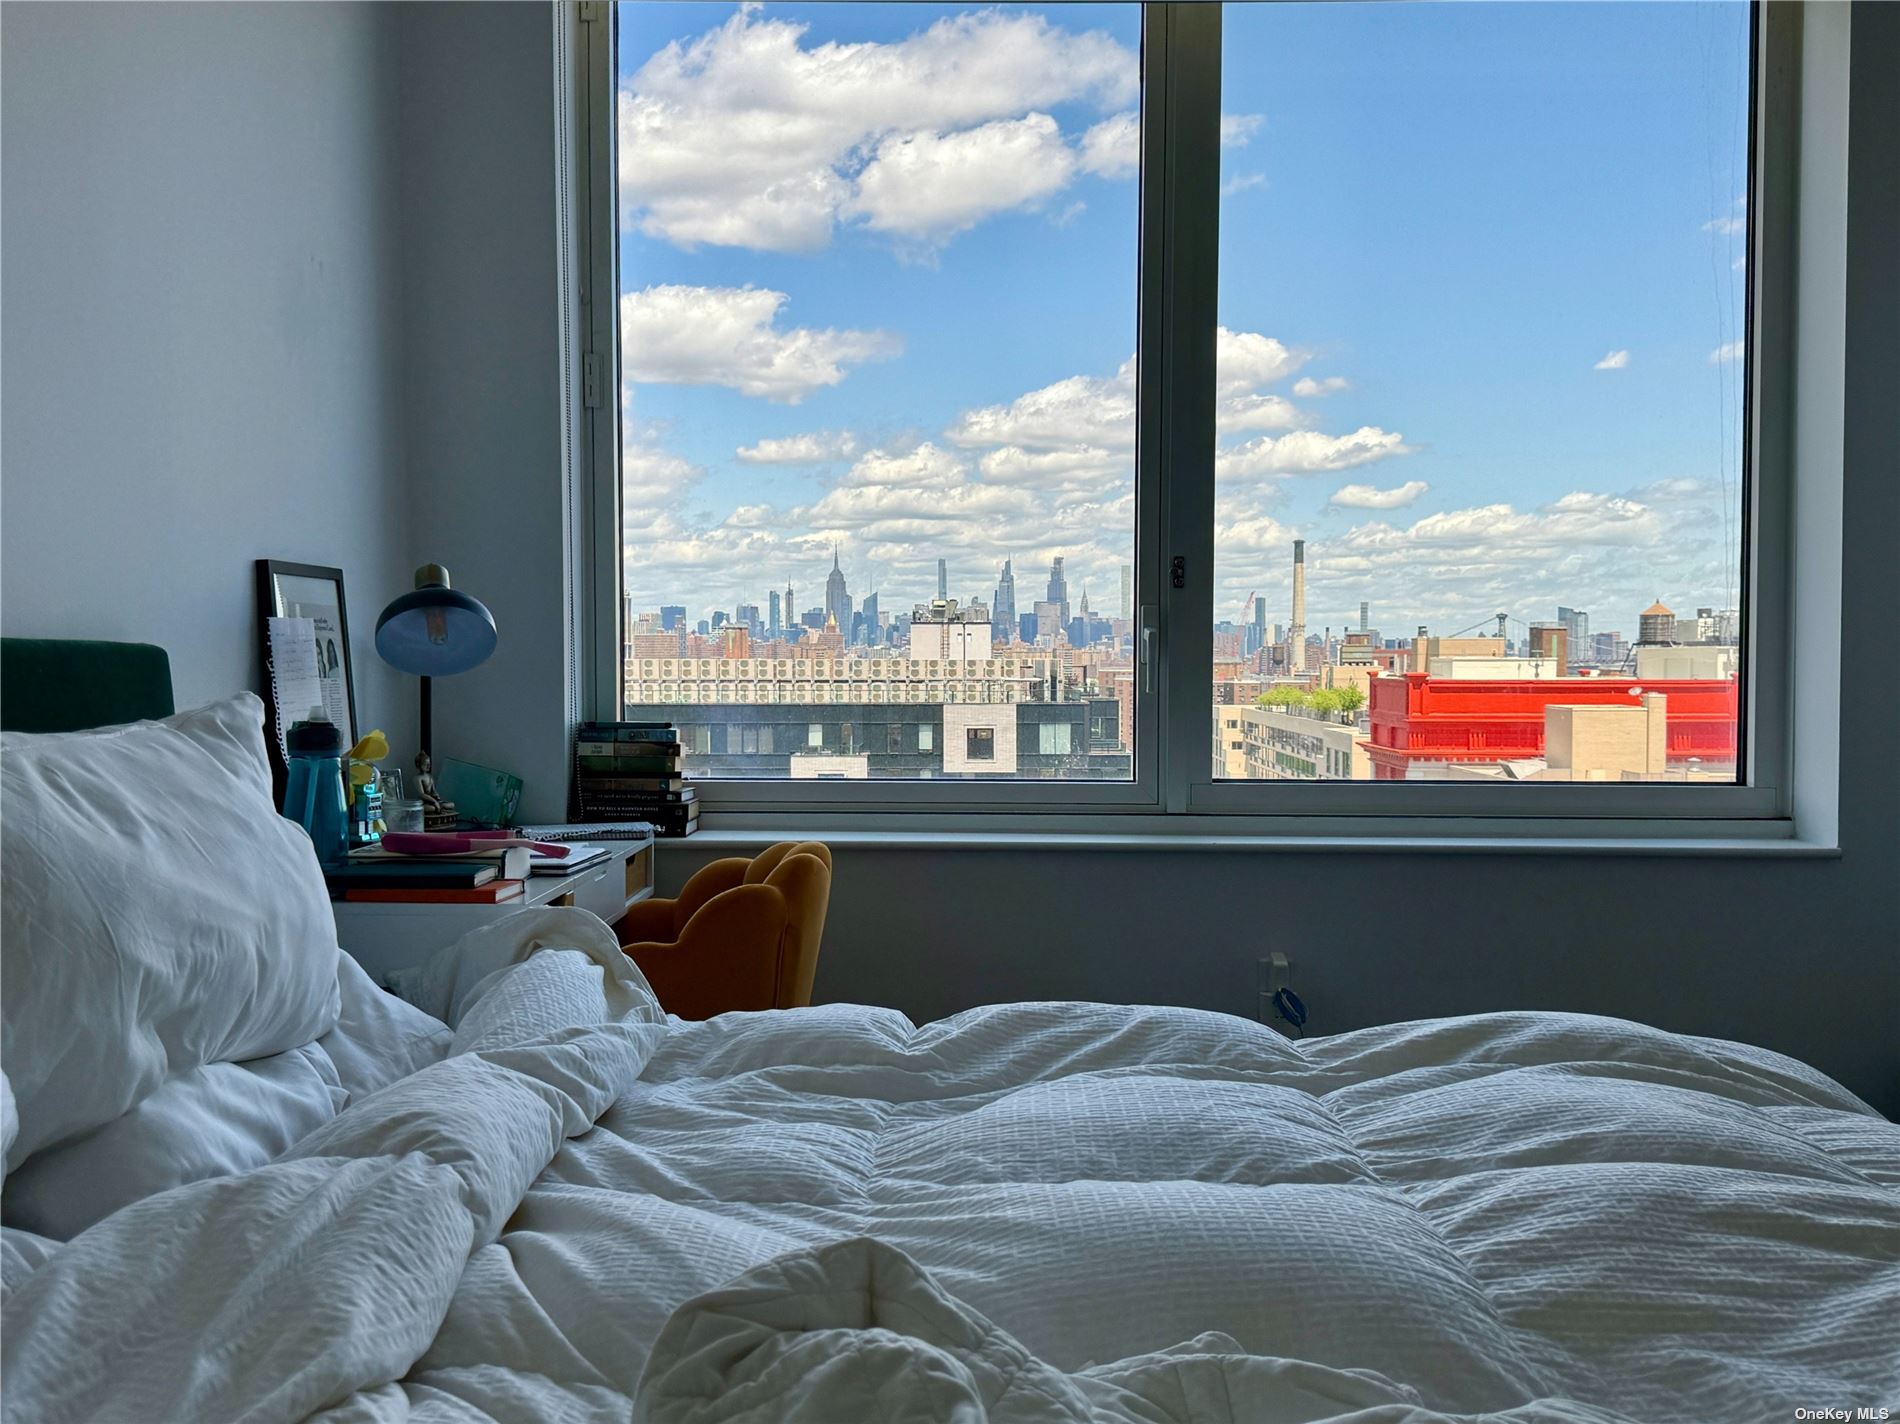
(743, 934)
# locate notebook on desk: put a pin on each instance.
(591, 831)
(578, 857)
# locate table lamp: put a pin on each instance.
(434, 631)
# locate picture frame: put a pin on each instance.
(313, 591)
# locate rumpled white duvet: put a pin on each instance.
(1031, 1212)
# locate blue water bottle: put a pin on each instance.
(313, 798)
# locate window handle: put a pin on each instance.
(1149, 635)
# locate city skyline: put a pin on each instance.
(1393, 625)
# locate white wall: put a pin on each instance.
(201, 361)
(481, 343)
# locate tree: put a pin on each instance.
(1283, 697)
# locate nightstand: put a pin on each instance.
(386, 937)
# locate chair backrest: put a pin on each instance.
(801, 872)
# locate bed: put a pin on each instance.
(520, 1192)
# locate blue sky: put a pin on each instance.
(1453, 212)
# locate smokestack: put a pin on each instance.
(1296, 635)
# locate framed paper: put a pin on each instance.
(311, 594)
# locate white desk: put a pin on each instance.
(387, 937)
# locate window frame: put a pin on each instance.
(1172, 787)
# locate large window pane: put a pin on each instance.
(877, 324)
(1480, 469)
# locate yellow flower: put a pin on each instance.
(373, 747)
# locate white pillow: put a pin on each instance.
(213, 1121)
(156, 914)
(9, 1115)
(378, 1038)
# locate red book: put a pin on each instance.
(493, 893)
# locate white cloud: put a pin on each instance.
(1244, 360)
(1615, 361)
(1371, 497)
(1112, 149)
(1451, 569)
(1307, 452)
(1241, 182)
(1237, 130)
(1080, 468)
(1047, 471)
(728, 336)
(924, 468)
(747, 136)
(1728, 226)
(1077, 411)
(932, 186)
(817, 448)
(1307, 388)
(1728, 351)
(1257, 412)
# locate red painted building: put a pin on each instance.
(1420, 718)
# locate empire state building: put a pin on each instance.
(837, 597)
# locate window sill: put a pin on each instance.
(1214, 834)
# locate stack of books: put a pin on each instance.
(419, 881)
(633, 771)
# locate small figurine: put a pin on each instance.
(437, 814)
(425, 784)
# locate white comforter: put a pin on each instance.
(1032, 1212)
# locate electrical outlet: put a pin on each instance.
(1276, 973)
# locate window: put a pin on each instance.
(1429, 468)
(878, 369)
(1489, 444)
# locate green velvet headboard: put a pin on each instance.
(68, 685)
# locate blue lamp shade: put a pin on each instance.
(435, 630)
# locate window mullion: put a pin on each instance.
(1187, 152)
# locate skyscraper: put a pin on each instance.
(1296, 635)
(943, 579)
(1058, 589)
(837, 596)
(772, 613)
(1576, 633)
(672, 616)
(1003, 606)
(1365, 616)
(869, 608)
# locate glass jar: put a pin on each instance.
(402, 815)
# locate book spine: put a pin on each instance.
(653, 748)
(494, 894)
(630, 765)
